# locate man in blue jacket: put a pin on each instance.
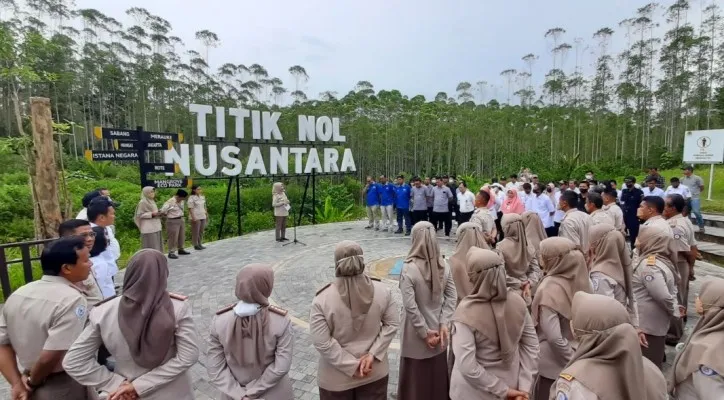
(387, 203)
(402, 202)
(631, 197)
(372, 198)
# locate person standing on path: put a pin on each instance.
(372, 198)
(173, 209)
(697, 370)
(494, 340)
(521, 264)
(82, 228)
(402, 204)
(677, 188)
(280, 202)
(387, 203)
(465, 203)
(250, 349)
(658, 179)
(441, 215)
(631, 197)
(696, 186)
(428, 298)
(199, 215)
(148, 330)
(469, 235)
(565, 274)
(40, 321)
(419, 194)
(541, 204)
(483, 216)
(652, 189)
(148, 220)
(430, 198)
(352, 323)
(594, 207)
(575, 224)
(613, 210)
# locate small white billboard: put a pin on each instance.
(704, 147)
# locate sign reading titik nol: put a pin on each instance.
(264, 127)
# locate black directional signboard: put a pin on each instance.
(131, 145)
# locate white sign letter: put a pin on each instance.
(335, 131)
(199, 160)
(306, 128)
(201, 112)
(279, 160)
(313, 162)
(298, 153)
(255, 126)
(239, 115)
(229, 155)
(348, 162)
(220, 122)
(171, 156)
(331, 156)
(324, 128)
(256, 161)
(270, 129)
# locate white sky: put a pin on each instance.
(415, 46)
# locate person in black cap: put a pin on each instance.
(631, 197)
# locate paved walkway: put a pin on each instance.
(208, 276)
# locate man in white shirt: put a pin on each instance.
(466, 202)
(526, 194)
(542, 205)
(102, 213)
(512, 183)
(652, 190)
(677, 188)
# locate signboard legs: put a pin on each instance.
(711, 181)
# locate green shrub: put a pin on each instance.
(329, 213)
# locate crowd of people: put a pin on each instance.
(541, 299)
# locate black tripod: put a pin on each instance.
(295, 241)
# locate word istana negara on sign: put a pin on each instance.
(275, 159)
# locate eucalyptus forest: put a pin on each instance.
(631, 111)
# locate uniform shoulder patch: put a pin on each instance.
(374, 278)
(649, 278)
(323, 289)
(226, 309)
(105, 300)
(567, 377)
(561, 396)
(80, 311)
(178, 296)
(651, 260)
(707, 371)
(278, 310)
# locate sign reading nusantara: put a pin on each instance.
(316, 150)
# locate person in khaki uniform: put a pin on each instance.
(651, 211)
(148, 220)
(533, 229)
(148, 330)
(40, 321)
(698, 370)
(428, 297)
(654, 285)
(565, 271)
(482, 216)
(199, 216)
(495, 344)
(280, 202)
(607, 363)
(521, 258)
(469, 235)
(352, 323)
(614, 211)
(82, 228)
(594, 207)
(575, 224)
(173, 209)
(250, 349)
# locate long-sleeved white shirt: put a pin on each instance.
(466, 201)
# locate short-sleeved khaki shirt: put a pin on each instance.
(48, 314)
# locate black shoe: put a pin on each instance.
(398, 231)
(368, 227)
(172, 256)
(183, 252)
(279, 240)
(407, 233)
(198, 248)
(202, 247)
(283, 240)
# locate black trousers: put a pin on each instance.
(464, 217)
(443, 219)
(429, 216)
(418, 215)
(632, 225)
(552, 231)
(499, 226)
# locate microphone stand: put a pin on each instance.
(295, 241)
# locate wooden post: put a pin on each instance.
(43, 171)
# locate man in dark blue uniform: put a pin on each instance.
(630, 200)
(402, 203)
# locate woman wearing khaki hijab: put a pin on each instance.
(495, 343)
(521, 263)
(698, 371)
(250, 342)
(565, 274)
(428, 297)
(148, 220)
(469, 235)
(280, 202)
(607, 363)
(352, 323)
(533, 229)
(149, 332)
(655, 279)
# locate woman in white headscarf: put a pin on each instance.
(280, 202)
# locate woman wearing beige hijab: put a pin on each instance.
(565, 275)
(655, 279)
(150, 333)
(352, 323)
(495, 343)
(698, 371)
(607, 363)
(428, 297)
(469, 235)
(148, 220)
(280, 202)
(521, 262)
(250, 342)
(533, 229)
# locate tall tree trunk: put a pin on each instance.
(43, 171)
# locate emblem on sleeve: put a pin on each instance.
(561, 396)
(707, 371)
(80, 311)
(649, 278)
(594, 283)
